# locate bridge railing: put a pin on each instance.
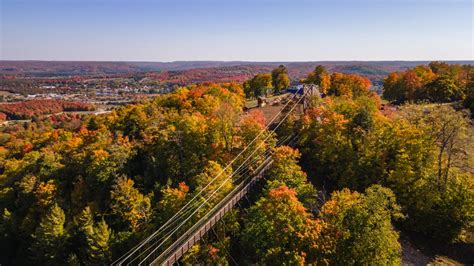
(199, 229)
(153, 249)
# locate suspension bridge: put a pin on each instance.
(169, 243)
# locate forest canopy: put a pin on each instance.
(438, 82)
(84, 189)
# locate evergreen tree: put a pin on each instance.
(86, 221)
(94, 238)
(98, 243)
(49, 237)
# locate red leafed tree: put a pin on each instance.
(28, 109)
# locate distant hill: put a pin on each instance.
(184, 72)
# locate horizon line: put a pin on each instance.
(232, 61)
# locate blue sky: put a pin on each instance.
(258, 30)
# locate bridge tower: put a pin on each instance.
(309, 90)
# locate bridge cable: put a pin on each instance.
(242, 172)
(205, 200)
(126, 255)
(200, 206)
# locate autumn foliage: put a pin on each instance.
(28, 109)
(338, 84)
(437, 82)
(83, 189)
(89, 185)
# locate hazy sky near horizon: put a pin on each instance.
(258, 30)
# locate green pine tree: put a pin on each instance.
(98, 243)
(49, 237)
(94, 239)
(86, 221)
